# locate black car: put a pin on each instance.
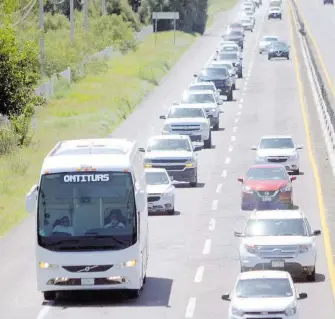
(279, 49)
(220, 77)
(235, 36)
(328, 1)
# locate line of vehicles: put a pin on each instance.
(94, 196)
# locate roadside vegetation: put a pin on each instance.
(91, 106)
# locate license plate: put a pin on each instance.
(87, 282)
(278, 263)
(266, 199)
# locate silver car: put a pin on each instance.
(266, 41)
(278, 149)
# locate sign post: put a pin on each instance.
(165, 16)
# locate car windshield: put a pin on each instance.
(227, 48)
(273, 9)
(276, 227)
(270, 143)
(82, 207)
(198, 98)
(175, 144)
(188, 112)
(200, 87)
(266, 173)
(228, 56)
(263, 288)
(225, 65)
(236, 25)
(246, 21)
(270, 39)
(278, 45)
(156, 178)
(214, 73)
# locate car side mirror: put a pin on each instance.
(299, 147)
(293, 178)
(302, 295)
(225, 297)
(141, 149)
(175, 103)
(195, 75)
(215, 59)
(31, 199)
(253, 148)
(317, 232)
(219, 90)
(162, 117)
(238, 234)
(240, 179)
(220, 102)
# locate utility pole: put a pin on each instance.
(103, 7)
(42, 48)
(72, 20)
(86, 14)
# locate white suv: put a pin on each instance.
(279, 239)
(278, 149)
(260, 294)
(191, 120)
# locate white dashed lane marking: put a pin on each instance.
(199, 274)
(207, 247)
(230, 149)
(215, 204)
(233, 138)
(234, 129)
(227, 161)
(219, 188)
(190, 307)
(224, 173)
(212, 224)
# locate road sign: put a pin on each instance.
(165, 15)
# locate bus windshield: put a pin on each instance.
(86, 211)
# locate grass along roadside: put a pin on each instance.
(92, 107)
(215, 6)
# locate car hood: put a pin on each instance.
(186, 121)
(268, 304)
(157, 189)
(277, 240)
(264, 43)
(270, 185)
(276, 152)
(168, 155)
(233, 38)
(207, 105)
(232, 60)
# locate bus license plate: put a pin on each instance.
(278, 263)
(87, 281)
(266, 199)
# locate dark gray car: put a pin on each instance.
(235, 36)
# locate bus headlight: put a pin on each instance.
(45, 265)
(127, 264)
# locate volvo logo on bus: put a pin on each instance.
(266, 193)
(87, 269)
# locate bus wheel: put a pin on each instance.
(134, 293)
(49, 295)
(145, 279)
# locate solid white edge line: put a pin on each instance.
(43, 312)
(190, 307)
(207, 247)
(199, 274)
(212, 224)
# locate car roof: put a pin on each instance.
(170, 137)
(266, 274)
(266, 166)
(277, 214)
(222, 62)
(199, 92)
(155, 170)
(276, 137)
(202, 83)
(188, 105)
(270, 36)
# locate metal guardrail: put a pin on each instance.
(326, 96)
(47, 88)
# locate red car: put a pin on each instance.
(267, 186)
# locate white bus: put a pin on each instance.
(92, 217)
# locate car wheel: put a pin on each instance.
(208, 143)
(171, 211)
(240, 75)
(230, 95)
(216, 126)
(195, 183)
(134, 293)
(49, 295)
(288, 57)
(260, 52)
(311, 277)
(296, 172)
(234, 87)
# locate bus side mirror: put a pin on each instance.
(31, 199)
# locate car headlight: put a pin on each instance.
(294, 156)
(247, 189)
(127, 264)
(303, 249)
(147, 163)
(45, 265)
(190, 163)
(260, 159)
(291, 310)
(287, 188)
(166, 127)
(237, 312)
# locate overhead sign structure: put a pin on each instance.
(166, 16)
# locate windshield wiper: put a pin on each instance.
(121, 242)
(64, 241)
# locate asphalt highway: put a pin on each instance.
(193, 254)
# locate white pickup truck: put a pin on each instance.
(191, 120)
